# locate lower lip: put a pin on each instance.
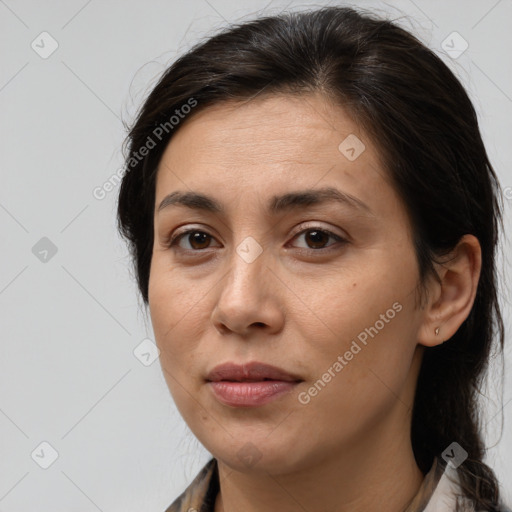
(250, 394)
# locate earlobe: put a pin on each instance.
(452, 298)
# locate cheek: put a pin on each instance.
(178, 318)
(168, 308)
(348, 306)
(170, 313)
(370, 324)
(360, 383)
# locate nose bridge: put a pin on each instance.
(249, 250)
(245, 298)
(246, 267)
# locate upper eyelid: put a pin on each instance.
(303, 227)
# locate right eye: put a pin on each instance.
(196, 239)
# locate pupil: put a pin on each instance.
(316, 237)
(198, 238)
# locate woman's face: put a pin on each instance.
(321, 285)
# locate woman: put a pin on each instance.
(313, 220)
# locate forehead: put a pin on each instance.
(273, 144)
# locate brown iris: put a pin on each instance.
(315, 237)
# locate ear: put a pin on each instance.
(450, 301)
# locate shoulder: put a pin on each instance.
(200, 495)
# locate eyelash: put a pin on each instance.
(174, 241)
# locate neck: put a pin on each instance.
(381, 476)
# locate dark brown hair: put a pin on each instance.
(422, 121)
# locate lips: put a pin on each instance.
(251, 384)
(250, 372)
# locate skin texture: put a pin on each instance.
(299, 305)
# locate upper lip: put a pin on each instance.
(253, 371)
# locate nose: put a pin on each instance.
(249, 299)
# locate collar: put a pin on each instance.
(438, 491)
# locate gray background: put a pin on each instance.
(70, 321)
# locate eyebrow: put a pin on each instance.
(277, 204)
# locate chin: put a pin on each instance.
(257, 457)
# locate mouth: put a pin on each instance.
(250, 372)
(251, 384)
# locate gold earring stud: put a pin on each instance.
(437, 331)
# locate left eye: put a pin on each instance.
(318, 237)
